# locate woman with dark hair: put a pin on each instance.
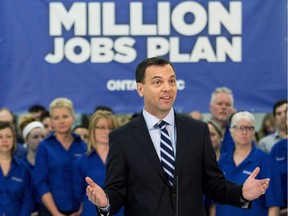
(15, 180)
(268, 126)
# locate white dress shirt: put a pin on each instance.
(155, 132)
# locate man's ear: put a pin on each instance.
(210, 108)
(140, 89)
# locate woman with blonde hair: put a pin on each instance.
(215, 136)
(93, 163)
(54, 162)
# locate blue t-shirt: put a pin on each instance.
(15, 191)
(53, 171)
(92, 166)
(238, 174)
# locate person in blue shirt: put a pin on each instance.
(32, 132)
(82, 131)
(239, 164)
(45, 118)
(222, 108)
(7, 115)
(15, 180)
(53, 171)
(279, 155)
(93, 163)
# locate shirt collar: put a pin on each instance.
(53, 136)
(277, 135)
(251, 156)
(16, 161)
(152, 120)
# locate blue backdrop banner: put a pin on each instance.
(87, 51)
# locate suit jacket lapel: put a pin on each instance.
(142, 134)
(181, 141)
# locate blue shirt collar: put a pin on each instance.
(53, 136)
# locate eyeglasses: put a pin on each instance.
(102, 128)
(244, 128)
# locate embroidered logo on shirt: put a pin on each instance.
(16, 179)
(77, 155)
(247, 172)
(280, 158)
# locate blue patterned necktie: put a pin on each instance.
(166, 152)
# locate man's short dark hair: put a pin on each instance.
(277, 104)
(44, 115)
(101, 107)
(141, 68)
(36, 108)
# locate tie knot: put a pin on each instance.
(161, 124)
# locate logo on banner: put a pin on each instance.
(130, 85)
(213, 34)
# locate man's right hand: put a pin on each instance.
(96, 194)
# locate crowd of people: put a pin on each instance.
(45, 160)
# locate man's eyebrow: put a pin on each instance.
(157, 77)
(160, 77)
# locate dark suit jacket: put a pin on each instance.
(136, 179)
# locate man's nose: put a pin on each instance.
(166, 86)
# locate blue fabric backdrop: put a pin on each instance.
(238, 44)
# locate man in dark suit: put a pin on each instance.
(135, 176)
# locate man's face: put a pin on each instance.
(281, 117)
(222, 107)
(159, 89)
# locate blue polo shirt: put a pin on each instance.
(53, 171)
(92, 166)
(15, 191)
(279, 155)
(238, 174)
